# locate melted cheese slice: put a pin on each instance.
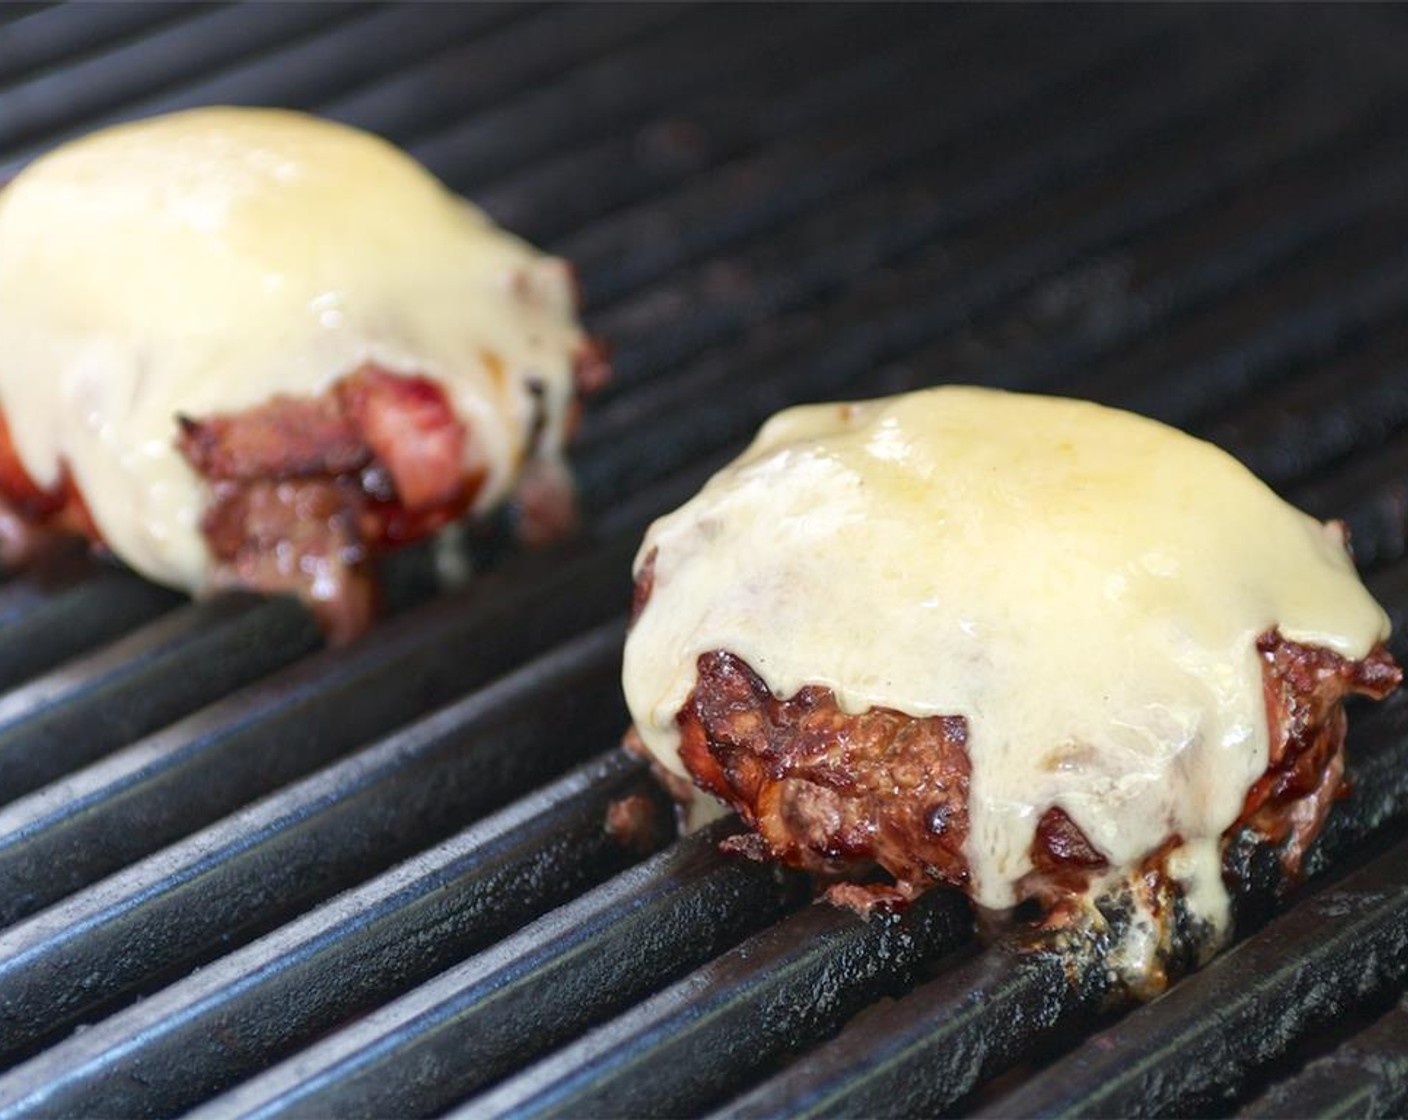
(1085, 586)
(206, 261)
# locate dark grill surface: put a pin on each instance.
(245, 875)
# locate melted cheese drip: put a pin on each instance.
(206, 261)
(1085, 586)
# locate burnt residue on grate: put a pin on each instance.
(243, 874)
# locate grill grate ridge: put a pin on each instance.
(346, 956)
(441, 87)
(165, 786)
(34, 40)
(77, 608)
(623, 250)
(219, 886)
(886, 221)
(191, 656)
(784, 987)
(54, 101)
(1345, 942)
(572, 968)
(1367, 1076)
(618, 92)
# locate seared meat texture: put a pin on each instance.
(832, 792)
(1305, 691)
(304, 490)
(826, 790)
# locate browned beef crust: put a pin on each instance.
(833, 792)
(1305, 691)
(825, 789)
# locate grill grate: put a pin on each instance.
(270, 879)
(1369, 1077)
(1344, 943)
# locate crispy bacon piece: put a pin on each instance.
(1060, 844)
(1063, 861)
(305, 489)
(832, 792)
(407, 425)
(635, 823)
(403, 423)
(1305, 689)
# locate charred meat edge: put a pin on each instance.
(844, 795)
(305, 490)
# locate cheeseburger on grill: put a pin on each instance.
(1029, 647)
(253, 348)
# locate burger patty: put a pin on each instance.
(304, 490)
(837, 793)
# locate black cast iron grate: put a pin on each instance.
(243, 875)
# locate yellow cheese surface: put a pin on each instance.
(205, 261)
(1085, 586)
